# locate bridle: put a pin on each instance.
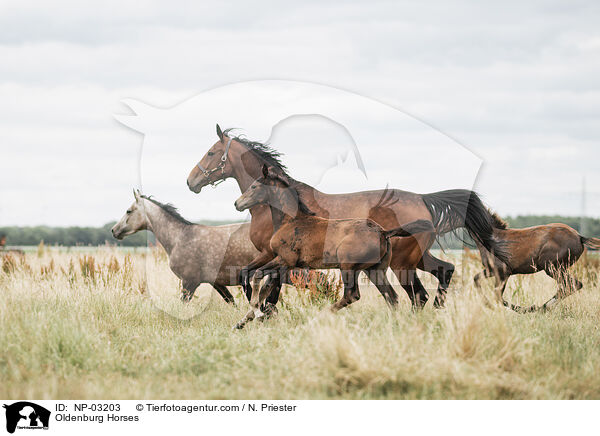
(221, 166)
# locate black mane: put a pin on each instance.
(302, 206)
(266, 153)
(499, 223)
(168, 208)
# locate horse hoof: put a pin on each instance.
(269, 310)
(438, 304)
(239, 326)
(186, 298)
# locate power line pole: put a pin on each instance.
(582, 222)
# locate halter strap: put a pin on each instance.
(221, 166)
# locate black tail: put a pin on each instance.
(458, 208)
(590, 243)
(418, 226)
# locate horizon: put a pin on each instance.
(210, 222)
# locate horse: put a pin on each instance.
(197, 253)
(301, 239)
(551, 248)
(242, 159)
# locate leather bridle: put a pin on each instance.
(221, 166)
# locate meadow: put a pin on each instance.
(108, 324)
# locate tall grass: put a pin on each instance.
(109, 325)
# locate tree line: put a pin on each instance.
(84, 236)
(78, 236)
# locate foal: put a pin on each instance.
(301, 239)
(197, 254)
(551, 248)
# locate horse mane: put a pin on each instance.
(169, 209)
(302, 206)
(498, 222)
(265, 152)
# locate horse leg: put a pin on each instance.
(407, 276)
(274, 291)
(271, 288)
(248, 271)
(274, 269)
(479, 276)
(567, 284)
(259, 294)
(377, 276)
(442, 271)
(351, 292)
(188, 291)
(501, 282)
(412, 285)
(224, 292)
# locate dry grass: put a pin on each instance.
(105, 324)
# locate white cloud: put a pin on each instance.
(513, 82)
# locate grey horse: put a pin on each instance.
(197, 253)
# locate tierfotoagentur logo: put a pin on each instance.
(25, 415)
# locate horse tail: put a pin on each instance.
(590, 243)
(418, 226)
(456, 208)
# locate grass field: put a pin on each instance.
(106, 324)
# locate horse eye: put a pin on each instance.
(210, 153)
(129, 211)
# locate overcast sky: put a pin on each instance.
(517, 83)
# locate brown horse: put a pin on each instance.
(551, 248)
(301, 239)
(448, 210)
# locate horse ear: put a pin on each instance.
(136, 194)
(220, 132)
(265, 171)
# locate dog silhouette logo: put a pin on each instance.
(26, 415)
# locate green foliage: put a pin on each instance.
(73, 236)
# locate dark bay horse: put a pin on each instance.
(551, 248)
(301, 239)
(448, 210)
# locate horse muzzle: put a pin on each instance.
(241, 205)
(116, 234)
(195, 187)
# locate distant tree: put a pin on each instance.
(74, 236)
